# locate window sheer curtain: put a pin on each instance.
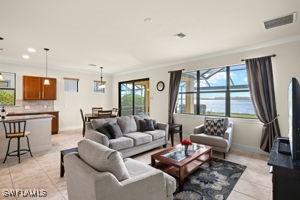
(261, 85)
(175, 77)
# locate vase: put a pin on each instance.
(186, 150)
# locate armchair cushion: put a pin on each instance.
(210, 140)
(102, 158)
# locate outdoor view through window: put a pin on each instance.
(220, 91)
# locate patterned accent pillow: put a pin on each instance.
(215, 127)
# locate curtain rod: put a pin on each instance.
(273, 55)
(176, 70)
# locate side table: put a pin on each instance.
(173, 129)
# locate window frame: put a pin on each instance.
(228, 90)
(71, 79)
(11, 89)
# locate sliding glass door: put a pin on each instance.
(134, 97)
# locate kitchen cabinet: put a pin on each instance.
(34, 88)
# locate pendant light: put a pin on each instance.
(46, 80)
(1, 77)
(102, 85)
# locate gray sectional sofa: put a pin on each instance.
(132, 141)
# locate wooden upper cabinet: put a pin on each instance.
(49, 91)
(34, 88)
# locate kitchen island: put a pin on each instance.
(39, 127)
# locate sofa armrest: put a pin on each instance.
(139, 186)
(97, 137)
(199, 129)
(165, 127)
(81, 179)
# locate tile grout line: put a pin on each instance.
(50, 179)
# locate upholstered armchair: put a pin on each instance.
(220, 144)
(97, 172)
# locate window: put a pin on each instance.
(134, 98)
(71, 84)
(219, 91)
(7, 88)
(98, 87)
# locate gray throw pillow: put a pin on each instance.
(104, 129)
(102, 158)
(114, 130)
(146, 125)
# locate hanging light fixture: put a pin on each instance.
(102, 84)
(46, 81)
(1, 77)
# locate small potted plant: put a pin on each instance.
(186, 144)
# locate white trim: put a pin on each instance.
(69, 128)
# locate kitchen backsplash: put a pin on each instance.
(31, 106)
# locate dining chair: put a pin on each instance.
(96, 109)
(104, 114)
(16, 130)
(83, 122)
(114, 112)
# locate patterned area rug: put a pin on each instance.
(211, 183)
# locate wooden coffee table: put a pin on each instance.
(173, 161)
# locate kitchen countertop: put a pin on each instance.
(24, 112)
(26, 117)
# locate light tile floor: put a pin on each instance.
(42, 171)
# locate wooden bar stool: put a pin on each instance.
(16, 130)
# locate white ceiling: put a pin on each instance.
(113, 33)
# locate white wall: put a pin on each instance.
(246, 132)
(67, 103)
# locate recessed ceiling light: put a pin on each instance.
(25, 56)
(148, 19)
(180, 35)
(1, 38)
(31, 50)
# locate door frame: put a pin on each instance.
(133, 92)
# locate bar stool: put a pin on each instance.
(16, 129)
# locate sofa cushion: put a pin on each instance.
(214, 126)
(114, 130)
(102, 158)
(121, 143)
(136, 168)
(127, 124)
(96, 123)
(139, 138)
(105, 130)
(156, 134)
(209, 140)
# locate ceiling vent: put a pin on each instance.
(280, 21)
(180, 35)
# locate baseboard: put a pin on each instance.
(248, 148)
(68, 128)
